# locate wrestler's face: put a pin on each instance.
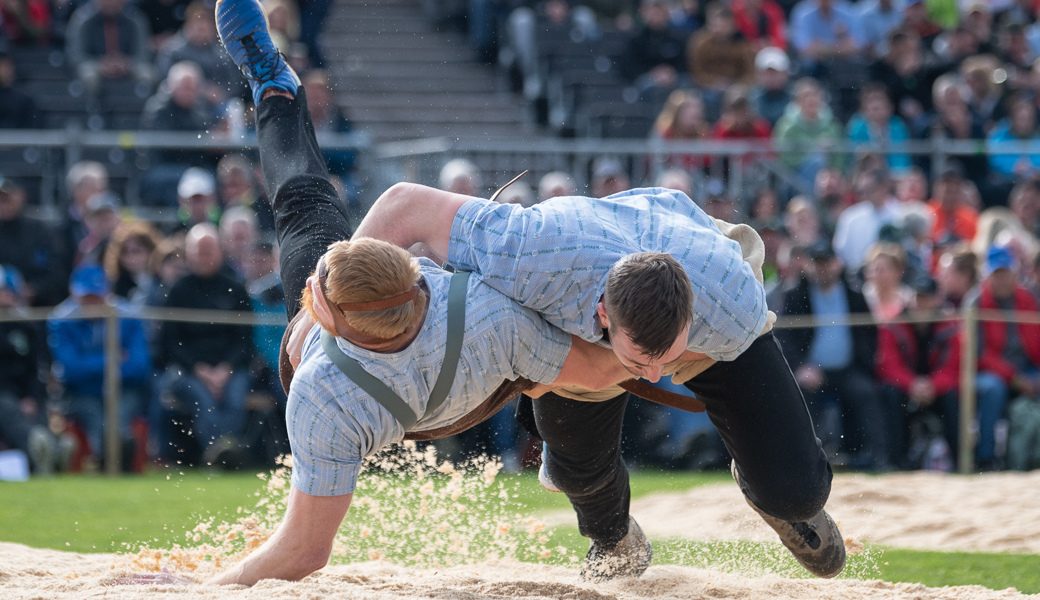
(632, 356)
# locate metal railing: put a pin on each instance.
(968, 320)
(46, 155)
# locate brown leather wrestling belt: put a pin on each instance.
(502, 396)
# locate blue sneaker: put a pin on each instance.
(242, 26)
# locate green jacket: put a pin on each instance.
(793, 129)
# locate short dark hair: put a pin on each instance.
(650, 297)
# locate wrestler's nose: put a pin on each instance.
(652, 374)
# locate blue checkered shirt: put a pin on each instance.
(554, 258)
(333, 424)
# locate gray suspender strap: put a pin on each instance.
(393, 403)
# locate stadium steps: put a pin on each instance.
(399, 77)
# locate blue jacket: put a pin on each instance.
(78, 348)
(1005, 163)
(858, 130)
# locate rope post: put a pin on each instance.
(113, 362)
(969, 367)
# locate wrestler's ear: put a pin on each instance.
(601, 312)
(321, 309)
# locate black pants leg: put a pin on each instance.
(584, 461)
(308, 214)
(758, 409)
(862, 417)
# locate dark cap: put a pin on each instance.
(953, 169)
(821, 250)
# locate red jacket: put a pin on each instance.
(765, 29)
(897, 356)
(994, 334)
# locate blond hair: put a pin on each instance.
(366, 270)
(126, 231)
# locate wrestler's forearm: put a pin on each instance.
(301, 545)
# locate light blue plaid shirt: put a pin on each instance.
(333, 424)
(554, 258)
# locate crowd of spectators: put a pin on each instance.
(191, 392)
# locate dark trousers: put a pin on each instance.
(308, 213)
(755, 404)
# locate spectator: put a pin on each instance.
(676, 179)
(179, 106)
(916, 18)
(765, 206)
(108, 39)
(907, 76)
(876, 124)
(25, 22)
(85, 179)
(718, 56)
(722, 207)
(1009, 358)
(761, 22)
(238, 187)
(265, 290)
(238, 235)
(802, 222)
(127, 260)
(554, 184)
(951, 217)
(17, 109)
(912, 192)
(809, 128)
(461, 176)
(28, 245)
(23, 416)
(78, 348)
(1024, 203)
(196, 196)
(167, 262)
(884, 291)
(837, 359)
(1012, 133)
(769, 95)
(858, 228)
(164, 17)
(877, 19)
(956, 45)
(101, 218)
(1016, 54)
(918, 366)
(208, 365)
(833, 196)
(979, 21)
(328, 117)
(985, 96)
(958, 275)
(682, 118)
(608, 178)
(823, 31)
(283, 17)
(954, 120)
(740, 122)
(655, 61)
(197, 43)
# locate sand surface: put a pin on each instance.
(984, 513)
(995, 512)
(30, 574)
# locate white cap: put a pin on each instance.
(772, 57)
(196, 181)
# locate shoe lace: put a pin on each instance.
(264, 66)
